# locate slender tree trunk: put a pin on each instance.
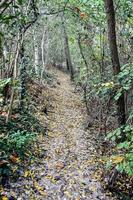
(102, 46)
(109, 6)
(67, 51)
(82, 54)
(2, 59)
(36, 54)
(42, 48)
(45, 49)
(23, 65)
(19, 45)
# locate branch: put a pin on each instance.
(53, 13)
(36, 14)
(59, 11)
(4, 5)
(3, 2)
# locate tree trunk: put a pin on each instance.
(45, 51)
(82, 54)
(19, 45)
(23, 65)
(36, 54)
(42, 48)
(67, 51)
(102, 46)
(110, 13)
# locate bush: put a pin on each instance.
(17, 141)
(124, 160)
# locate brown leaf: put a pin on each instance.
(59, 165)
(14, 159)
(3, 162)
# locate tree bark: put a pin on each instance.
(82, 54)
(110, 13)
(67, 51)
(19, 45)
(102, 46)
(42, 47)
(23, 65)
(45, 51)
(36, 54)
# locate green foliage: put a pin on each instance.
(20, 2)
(4, 82)
(104, 89)
(125, 79)
(125, 148)
(17, 141)
(18, 134)
(21, 139)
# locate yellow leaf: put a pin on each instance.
(27, 186)
(32, 175)
(67, 194)
(40, 189)
(93, 188)
(27, 173)
(53, 180)
(4, 198)
(117, 159)
(44, 193)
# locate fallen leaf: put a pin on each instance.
(67, 194)
(59, 165)
(3, 162)
(4, 198)
(117, 159)
(14, 159)
(26, 174)
(40, 189)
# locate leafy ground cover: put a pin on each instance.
(62, 164)
(19, 135)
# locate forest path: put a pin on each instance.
(70, 150)
(68, 171)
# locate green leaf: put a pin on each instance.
(20, 2)
(118, 96)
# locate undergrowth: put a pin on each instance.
(18, 136)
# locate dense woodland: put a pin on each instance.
(91, 41)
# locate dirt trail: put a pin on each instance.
(67, 171)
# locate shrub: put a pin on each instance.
(123, 160)
(17, 141)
